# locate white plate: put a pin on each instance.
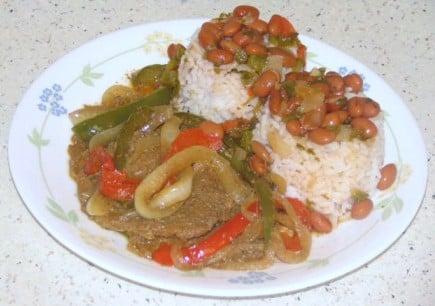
(38, 158)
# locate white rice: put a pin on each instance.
(214, 93)
(327, 177)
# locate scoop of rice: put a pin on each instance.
(215, 93)
(325, 175)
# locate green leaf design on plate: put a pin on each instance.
(311, 55)
(88, 75)
(389, 205)
(398, 204)
(59, 212)
(315, 263)
(386, 213)
(36, 139)
(193, 273)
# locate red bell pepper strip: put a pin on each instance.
(291, 243)
(114, 184)
(98, 157)
(222, 237)
(193, 137)
(163, 255)
(301, 211)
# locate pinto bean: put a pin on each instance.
(388, 176)
(265, 82)
(229, 45)
(301, 52)
(258, 25)
(371, 109)
(288, 59)
(213, 28)
(246, 10)
(275, 101)
(322, 87)
(294, 127)
(207, 39)
(220, 57)
(354, 82)
(211, 128)
(321, 136)
(355, 107)
(335, 82)
(231, 27)
(331, 119)
(255, 49)
(320, 223)
(174, 50)
(365, 127)
(260, 150)
(258, 165)
(334, 103)
(342, 115)
(242, 39)
(361, 209)
(313, 119)
(280, 26)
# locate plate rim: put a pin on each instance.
(186, 290)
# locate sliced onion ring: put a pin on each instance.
(170, 131)
(174, 195)
(154, 182)
(303, 233)
(104, 137)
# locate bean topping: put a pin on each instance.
(320, 223)
(354, 82)
(261, 151)
(361, 209)
(388, 176)
(321, 136)
(365, 127)
(264, 84)
(220, 57)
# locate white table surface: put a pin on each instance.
(394, 38)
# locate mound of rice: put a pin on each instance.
(325, 175)
(214, 93)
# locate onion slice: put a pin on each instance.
(278, 145)
(104, 137)
(169, 132)
(294, 223)
(173, 196)
(155, 181)
(98, 205)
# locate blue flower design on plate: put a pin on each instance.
(342, 70)
(50, 99)
(252, 277)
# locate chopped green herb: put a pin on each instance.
(247, 77)
(241, 56)
(289, 87)
(246, 139)
(284, 42)
(358, 195)
(257, 62)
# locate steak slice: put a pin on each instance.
(207, 206)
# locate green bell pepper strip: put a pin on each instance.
(189, 120)
(136, 121)
(90, 127)
(148, 76)
(267, 207)
(146, 120)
